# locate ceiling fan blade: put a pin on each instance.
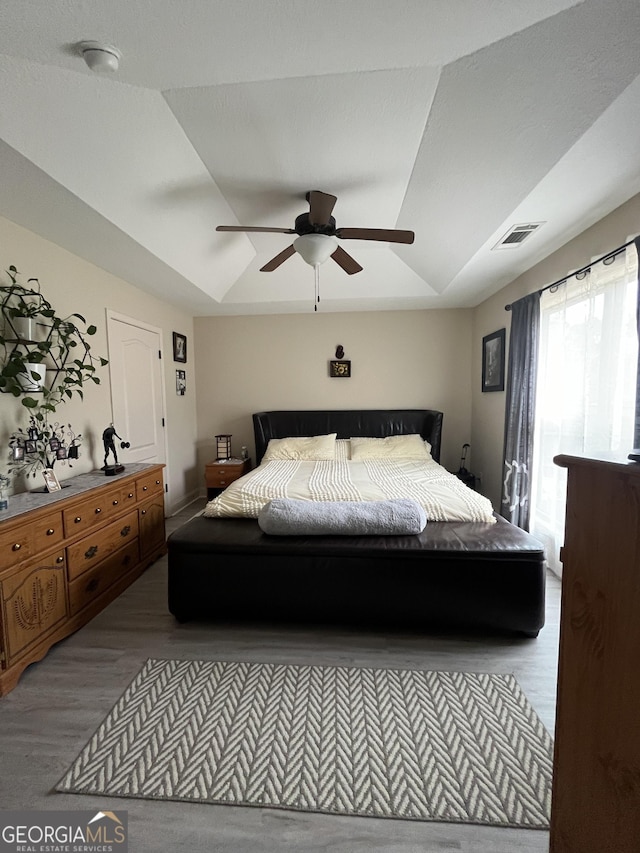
(320, 207)
(254, 228)
(344, 260)
(389, 235)
(274, 263)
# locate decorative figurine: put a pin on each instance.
(110, 447)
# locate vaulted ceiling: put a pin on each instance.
(457, 120)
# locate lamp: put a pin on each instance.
(223, 446)
(315, 248)
(100, 57)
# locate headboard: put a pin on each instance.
(374, 423)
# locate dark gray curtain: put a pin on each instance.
(636, 432)
(520, 409)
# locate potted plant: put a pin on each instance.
(35, 341)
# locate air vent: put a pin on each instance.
(516, 235)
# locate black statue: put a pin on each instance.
(110, 447)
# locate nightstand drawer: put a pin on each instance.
(218, 475)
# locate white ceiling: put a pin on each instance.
(454, 119)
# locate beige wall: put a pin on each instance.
(73, 285)
(402, 359)
(489, 408)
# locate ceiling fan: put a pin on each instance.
(318, 236)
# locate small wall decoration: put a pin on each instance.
(339, 368)
(181, 382)
(493, 346)
(179, 347)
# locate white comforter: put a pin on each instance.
(442, 495)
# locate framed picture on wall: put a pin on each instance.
(179, 347)
(181, 382)
(340, 369)
(493, 361)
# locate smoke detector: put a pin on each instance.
(516, 235)
(100, 57)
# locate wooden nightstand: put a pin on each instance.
(218, 475)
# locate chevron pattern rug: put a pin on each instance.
(435, 746)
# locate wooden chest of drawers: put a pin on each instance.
(64, 557)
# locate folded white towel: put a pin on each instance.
(289, 517)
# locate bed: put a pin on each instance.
(463, 575)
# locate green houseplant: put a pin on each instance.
(48, 353)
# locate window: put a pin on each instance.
(586, 389)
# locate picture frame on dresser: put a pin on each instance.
(51, 481)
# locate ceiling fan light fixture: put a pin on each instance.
(100, 57)
(315, 249)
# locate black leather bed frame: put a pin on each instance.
(454, 575)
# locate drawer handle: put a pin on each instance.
(93, 584)
(60, 560)
(50, 531)
(98, 510)
(157, 482)
(130, 494)
(91, 552)
(126, 530)
(144, 488)
(115, 503)
(77, 519)
(143, 512)
(223, 482)
(16, 547)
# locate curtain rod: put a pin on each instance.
(584, 269)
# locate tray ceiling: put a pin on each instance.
(457, 120)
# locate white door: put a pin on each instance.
(137, 390)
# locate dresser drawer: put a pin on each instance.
(47, 531)
(127, 496)
(95, 581)
(98, 545)
(91, 512)
(149, 485)
(16, 544)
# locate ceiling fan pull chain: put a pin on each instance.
(316, 271)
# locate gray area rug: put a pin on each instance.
(436, 746)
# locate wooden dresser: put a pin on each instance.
(596, 784)
(64, 556)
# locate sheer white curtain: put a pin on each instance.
(586, 383)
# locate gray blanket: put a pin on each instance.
(289, 517)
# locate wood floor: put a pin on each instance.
(60, 701)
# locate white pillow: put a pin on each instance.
(310, 448)
(392, 447)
